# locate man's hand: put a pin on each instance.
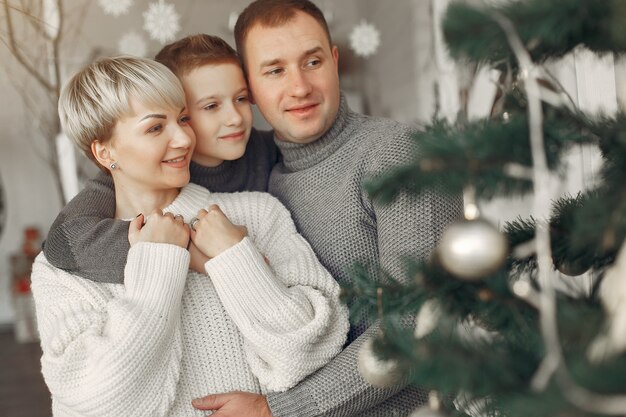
(234, 404)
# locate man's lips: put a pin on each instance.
(233, 136)
(302, 109)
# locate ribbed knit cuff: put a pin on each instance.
(293, 403)
(241, 276)
(155, 274)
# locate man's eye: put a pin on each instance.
(313, 63)
(155, 128)
(275, 71)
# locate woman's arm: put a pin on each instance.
(282, 299)
(113, 350)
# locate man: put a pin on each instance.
(328, 153)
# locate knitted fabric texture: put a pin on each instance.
(321, 184)
(148, 347)
(86, 240)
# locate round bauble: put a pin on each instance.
(472, 249)
(378, 372)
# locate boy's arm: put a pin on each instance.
(85, 239)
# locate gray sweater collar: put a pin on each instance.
(298, 156)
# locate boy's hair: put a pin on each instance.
(98, 96)
(273, 13)
(191, 52)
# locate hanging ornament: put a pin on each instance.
(364, 39)
(612, 341)
(427, 318)
(133, 44)
(378, 372)
(472, 249)
(115, 7)
(161, 21)
(433, 409)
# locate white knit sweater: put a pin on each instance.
(168, 335)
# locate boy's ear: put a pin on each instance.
(101, 152)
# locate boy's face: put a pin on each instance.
(293, 75)
(221, 117)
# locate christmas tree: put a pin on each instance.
(492, 335)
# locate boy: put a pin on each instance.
(229, 156)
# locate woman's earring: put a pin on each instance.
(113, 165)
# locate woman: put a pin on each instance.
(267, 315)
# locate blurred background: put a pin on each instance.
(393, 63)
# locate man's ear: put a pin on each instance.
(335, 52)
(102, 154)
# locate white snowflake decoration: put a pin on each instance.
(132, 43)
(232, 20)
(364, 39)
(115, 7)
(161, 22)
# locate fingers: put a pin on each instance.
(211, 402)
(134, 228)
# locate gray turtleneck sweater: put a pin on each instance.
(87, 241)
(321, 184)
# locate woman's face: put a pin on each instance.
(152, 148)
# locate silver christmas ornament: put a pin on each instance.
(379, 373)
(472, 249)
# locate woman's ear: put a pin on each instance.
(102, 154)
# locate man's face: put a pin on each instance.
(221, 117)
(292, 71)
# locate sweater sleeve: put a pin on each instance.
(112, 350)
(287, 308)
(85, 239)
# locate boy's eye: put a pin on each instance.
(242, 99)
(155, 128)
(210, 106)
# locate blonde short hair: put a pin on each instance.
(96, 97)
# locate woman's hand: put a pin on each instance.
(198, 259)
(159, 228)
(213, 233)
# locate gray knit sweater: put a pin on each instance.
(321, 184)
(87, 241)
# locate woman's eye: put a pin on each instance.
(155, 128)
(184, 119)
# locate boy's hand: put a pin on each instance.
(159, 228)
(198, 259)
(234, 404)
(213, 233)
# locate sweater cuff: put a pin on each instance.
(242, 276)
(155, 274)
(295, 402)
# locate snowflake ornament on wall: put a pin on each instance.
(161, 21)
(115, 7)
(133, 44)
(364, 39)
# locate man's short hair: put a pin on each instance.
(98, 96)
(273, 13)
(191, 52)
